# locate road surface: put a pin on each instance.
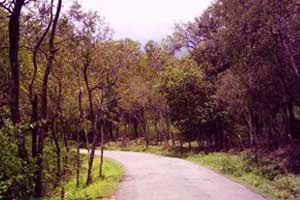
(152, 177)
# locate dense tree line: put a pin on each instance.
(227, 80)
(249, 50)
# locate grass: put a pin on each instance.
(267, 178)
(154, 149)
(100, 188)
(158, 150)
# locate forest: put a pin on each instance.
(228, 81)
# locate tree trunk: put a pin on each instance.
(34, 119)
(146, 133)
(135, 128)
(102, 148)
(78, 160)
(170, 132)
(199, 138)
(125, 133)
(157, 131)
(110, 128)
(253, 129)
(190, 144)
(181, 143)
(93, 120)
(292, 120)
(44, 103)
(33, 95)
(61, 118)
(89, 179)
(78, 138)
(14, 38)
(117, 132)
(58, 161)
(87, 141)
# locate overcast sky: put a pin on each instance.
(145, 20)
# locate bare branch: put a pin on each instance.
(7, 6)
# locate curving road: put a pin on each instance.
(152, 177)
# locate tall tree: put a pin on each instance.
(14, 9)
(44, 100)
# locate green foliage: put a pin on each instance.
(100, 188)
(16, 175)
(189, 96)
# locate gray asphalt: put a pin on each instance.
(152, 177)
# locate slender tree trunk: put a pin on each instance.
(63, 130)
(65, 137)
(135, 128)
(146, 134)
(78, 138)
(117, 132)
(110, 127)
(34, 119)
(32, 94)
(292, 119)
(199, 138)
(78, 160)
(170, 132)
(275, 140)
(253, 131)
(190, 145)
(87, 141)
(125, 134)
(216, 140)
(181, 143)
(44, 103)
(58, 153)
(89, 179)
(93, 120)
(62, 194)
(102, 148)
(145, 128)
(157, 131)
(164, 132)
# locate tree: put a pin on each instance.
(14, 9)
(190, 99)
(44, 100)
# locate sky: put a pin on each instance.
(145, 20)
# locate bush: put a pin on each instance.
(289, 185)
(16, 175)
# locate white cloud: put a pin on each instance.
(144, 20)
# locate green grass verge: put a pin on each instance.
(154, 149)
(267, 178)
(100, 188)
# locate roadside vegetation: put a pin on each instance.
(268, 178)
(102, 187)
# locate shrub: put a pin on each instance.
(16, 175)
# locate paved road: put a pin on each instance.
(152, 177)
